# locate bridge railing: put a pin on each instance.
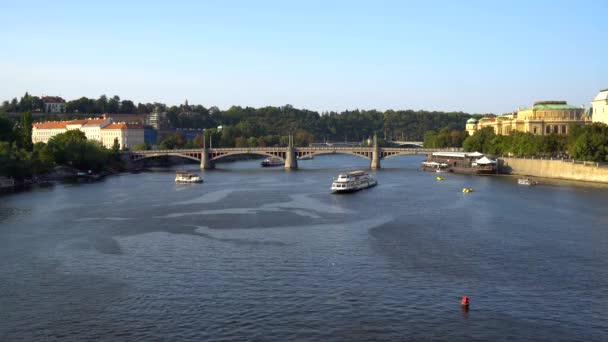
(301, 149)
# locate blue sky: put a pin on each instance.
(474, 56)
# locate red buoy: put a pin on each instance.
(464, 301)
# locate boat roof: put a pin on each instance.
(458, 154)
(450, 154)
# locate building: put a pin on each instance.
(157, 120)
(42, 132)
(53, 104)
(599, 107)
(102, 130)
(141, 118)
(90, 127)
(190, 133)
(543, 118)
(127, 134)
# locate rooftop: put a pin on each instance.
(602, 96)
(124, 125)
(52, 99)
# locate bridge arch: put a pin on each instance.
(318, 153)
(215, 157)
(139, 157)
(401, 154)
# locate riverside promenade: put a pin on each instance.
(555, 168)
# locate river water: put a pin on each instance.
(268, 255)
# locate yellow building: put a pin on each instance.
(543, 118)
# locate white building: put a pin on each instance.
(42, 132)
(599, 107)
(53, 104)
(102, 130)
(128, 134)
(91, 128)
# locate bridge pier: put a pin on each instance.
(375, 164)
(206, 162)
(291, 161)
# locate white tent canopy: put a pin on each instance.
(474, 154)
(485, 160)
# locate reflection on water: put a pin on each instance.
(264, 254)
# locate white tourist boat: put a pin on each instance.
(187, 177)
(352, 181)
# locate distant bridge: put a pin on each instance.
(408, 143)
(290, 154)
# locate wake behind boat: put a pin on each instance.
(352, 181)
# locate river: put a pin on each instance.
(270, 255)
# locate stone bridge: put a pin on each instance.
(289, 154)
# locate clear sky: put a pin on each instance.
(474, 56)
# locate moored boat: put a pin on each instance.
(460, 162)
(187, 177)
(526, 181)
(352, 181)
(272, 161)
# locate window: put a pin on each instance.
(563, 129)
(548, 129)
(555, 129)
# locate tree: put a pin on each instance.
(6, 129)
(114, 105)
(141, 147)
(14, 162)
(480, 141)
(101, 104)
(173, 141)
(127, 107)
(115, 146)
(591, 143)
(240, 142)
(26, 130)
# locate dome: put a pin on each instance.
(472, 120)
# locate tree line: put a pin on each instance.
(266, 124)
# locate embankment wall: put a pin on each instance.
(554, 169)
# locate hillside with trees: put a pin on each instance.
(265, 125)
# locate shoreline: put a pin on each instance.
(553, 169)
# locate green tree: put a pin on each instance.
(141, 147)
(6, 129)
(26, 130)
(480, 141)
(115, 146)
(14, 161)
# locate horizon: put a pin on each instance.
(476, 58)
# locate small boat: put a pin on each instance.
(352, 181)
(306, 157)
(272, 161)
(187, 177)
(439, 178)
(467, 190)
(526, 181)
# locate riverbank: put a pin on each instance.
(557, 169)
